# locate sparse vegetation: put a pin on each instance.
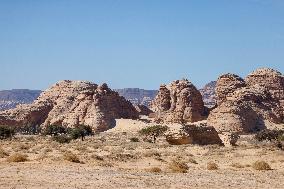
(134, 139)
(154, 170)
(261, 166)
(6, 132)
(212, 166)
(3, 153)
(69, 156)
(178, 166)
(269, 135)
(80, 132)
(62, 138)
(17, 157)
(54, 130)
(153, 132)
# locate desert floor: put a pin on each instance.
(112, 160)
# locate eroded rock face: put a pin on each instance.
(194, 134)
(70, 103)
(227, 84)
(178, 102)
(270, 79)
(142, 109)
(209, 95)
(244, 107)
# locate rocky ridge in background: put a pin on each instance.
(137, 96)
(208, 94)
(178, 102)
(70, 103)
(9, 99)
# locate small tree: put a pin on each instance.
(153, 132)
(80, 131)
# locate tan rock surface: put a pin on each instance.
(70, 103)
(178, 102)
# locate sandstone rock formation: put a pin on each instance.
(143, 110)
(194, 134)
(270, 79)
(244, 107)
(70, 103)
(227, 84)
(178, 102)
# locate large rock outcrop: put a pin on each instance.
(270, 79)
(178, 102)
(226, 85)
(70, 103)
(244, 107)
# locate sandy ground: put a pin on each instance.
(110, 159)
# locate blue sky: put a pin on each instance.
(136, 43)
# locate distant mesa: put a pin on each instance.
(138, 96)
(9, 99)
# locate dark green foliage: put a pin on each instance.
(269, 135)
(153, 132)
(6, 132)
(134, 139)
(62, 138)
(54, 130)
(80, 131)
(29, 129)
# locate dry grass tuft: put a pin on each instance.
(212, 166)
(261, 165)
(154, 170)
(69, 156)
(17, 157)
(178, 167)
(3, 153)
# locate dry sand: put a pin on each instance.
(111, 160)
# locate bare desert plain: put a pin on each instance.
(113, 159)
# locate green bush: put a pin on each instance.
(153, 132)
(6, 132)
(62, 138)
(54, 130)
(269, 135)
(80, 132)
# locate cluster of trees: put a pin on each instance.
(58, 132)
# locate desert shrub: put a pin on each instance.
(154, 170)
(261, 165)
(152, 115)
(269, 135)
(80, 132)
(212, 166)
(69, 156)
(30, 129)
(153, 132)
(17, 157)
(54, 130)
(281, 137)
(3, 153)
(6, 132)
(178, 167)
(62, 138)
(134, 139)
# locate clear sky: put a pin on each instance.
(136, 43)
